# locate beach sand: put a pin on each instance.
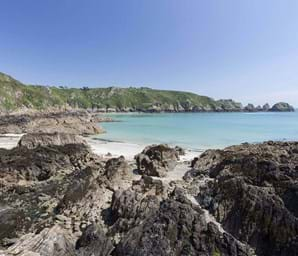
(106, 149)
(128, 150)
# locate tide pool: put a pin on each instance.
(199, 131)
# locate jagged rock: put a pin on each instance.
(157, 160)
(252, 192)
(131, 206)
(47, 185)
(282, 107)
(33, 140)
(94, 242)
(177, 227)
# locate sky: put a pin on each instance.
(245, 50)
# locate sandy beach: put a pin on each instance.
(106, 149)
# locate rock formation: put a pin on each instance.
(58, 198)
(157, 160)
(73, 122)
(251, 191)
(34, 140)
(282, 107)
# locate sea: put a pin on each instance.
(200, 131)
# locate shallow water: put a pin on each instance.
(198, 131)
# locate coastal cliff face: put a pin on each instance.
(16, 96)
(58, 198)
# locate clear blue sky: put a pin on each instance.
(241, 49)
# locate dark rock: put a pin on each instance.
(282, 107)
(94, 242)
(250, 108)
(157, 160)
(180, 151)
(177, 227)
(41, 163)
(266, 107)
(116, 168)
(40, 183)
(253, 194)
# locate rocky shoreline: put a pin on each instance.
(59, 198)
(222, 106)
(72, 121)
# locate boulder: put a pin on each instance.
(157, 160)
(116, 168)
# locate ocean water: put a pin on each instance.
(197, 131)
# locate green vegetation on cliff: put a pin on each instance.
(15, 95)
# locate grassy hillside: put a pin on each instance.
(15, 95)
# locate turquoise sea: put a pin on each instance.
(199, 131)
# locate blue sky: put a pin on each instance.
(246, 50)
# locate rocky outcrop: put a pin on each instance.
(157, 160)
(48, 185)
(34, 140)
(152, 222)
(282, 107)
(252, 192)
(65, 200)
(72, 122)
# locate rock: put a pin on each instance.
(157, 160)
(259, 108)
(250, 108)
(116, 168)
(282, 107)
(180, 151)
(94, 242)
(177, 227)
(41, 163)
(50, 242)
(252, 191)
(73, 122)
(266, 107)
(48, 184)
(131, 206)
(10, 219)
(33, 140)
